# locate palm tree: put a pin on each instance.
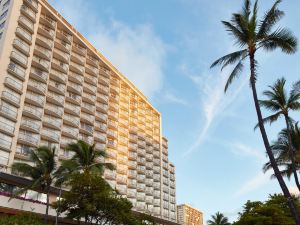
(281, 104)
(218, 219)
(250, 36)
(42, 173)
(86, 158)
(280, 149)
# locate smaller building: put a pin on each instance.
(187, 215)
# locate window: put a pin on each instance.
(2, 24)
(6, 4)
(3, 14)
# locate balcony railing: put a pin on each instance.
(76, 77)
(37, 86)
(37, 113)
(28, 138)
(33, 4)
(22, 46)
(12, 98)
(73, 108)
(53, 122)
(14, 84)
(18, 58)
(48, 20)
(43, 52)
(26, 23)
(58, 111)
(46, 42)
(71, 119)
(35, 98)
(33, 126)
(47, 31)
(49, 134)
(41, 63)
(57, 98)
(62, 77)
(16, 70)
(7, 127)
(28, 12)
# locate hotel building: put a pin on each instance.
(187, 215)
(56, 88)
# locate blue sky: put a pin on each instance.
(165, 48)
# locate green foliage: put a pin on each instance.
(218, 219)
(274, 211)
(92, 199)
(22, 219)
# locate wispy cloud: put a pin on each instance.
(213, 102)
(137, 51)
(169, 97)
(247, 151)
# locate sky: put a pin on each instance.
(165, 47)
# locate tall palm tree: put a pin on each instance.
(250, 36)
(281, 103)
(218, 219)
(280, 149)
(42, 173)
(86, 158)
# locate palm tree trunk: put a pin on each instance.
(292, 151)
(277, 173)
(47, 208)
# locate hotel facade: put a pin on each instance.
(187, 215)
(56, 88)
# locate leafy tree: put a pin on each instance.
(275, 211)
(218, 219)
(251, 35)
(92, 199)
(280, 149)
(21, 219)
(42, 173)
(281, 103)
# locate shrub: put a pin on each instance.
(21, 219)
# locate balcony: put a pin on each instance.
(27, 24)
(12, 98)
(60, 66)
(48, 21)
(77, 78)
(86, 138)
(89, 88)
(46, 31)
(100, 137)
(50, 135)
(131, 183)
(132, 155)
(73, 98)
(14, 84)
(111, 144)
(103, 98)
(28, 139)
(101, 126)
(42, 52)
(45, 42)
(113, 125)
(156, 202)
(100, 146)
(40, 63)
(89, 98)
(131, 193)
(55, 99)
(90, 79)
(121, 180)
(111, 175)
(23, 151)
(52, 122)
(76, 68)
(16, 70)
(19, 59)
(112, 134)
(33, 4)
(71, 120)
(101, 117)
(113, 115)
(149, 157)
(156, 185)
(103, 89)
(34, 99)
(79, 59)
(30, 125)
(21, 46)
(132, 164)
(72, 109)
(156, 154)
(103, 80)
(92, 61)
(111, 154)
(54, 110)
(7, 128)
(70, 132)
(32, 112)
(36, 87)
(91, 70)
(88, 108)
(133, 147)
(79, 49)
(74, 87)
(29, 13)
(64, 36)
(57, 87)
(87, 129)
(61, 55)
(62, 45)
(141, 187)
(58, 76)
(114, 107)
(104, 72)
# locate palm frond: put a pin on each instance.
(240, 37)
(269, 119)
(269, 20)
(281, 38)
(230, 58)
(270, 105)
(234, 74)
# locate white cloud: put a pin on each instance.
(259, 180)
(138, 52)
(213, 101)
(246, 151)
(294, 191)
(172, 98)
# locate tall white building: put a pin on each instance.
(56, 88)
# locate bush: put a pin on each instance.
(22, 219)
